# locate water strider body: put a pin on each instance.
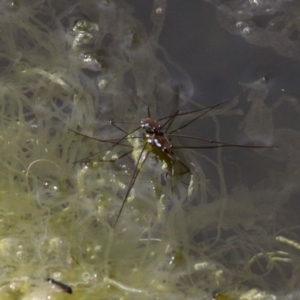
(162, 142)
(156, 137)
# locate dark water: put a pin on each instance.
(204, 39)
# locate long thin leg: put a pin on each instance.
(196, 110)
(86, 159)
(220, 144)
(170, 121)
(132, 181)
(201, 115)
(124, 122)
(112, 141)
(185, 166)
(106, 149)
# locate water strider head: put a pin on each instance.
(151, 126)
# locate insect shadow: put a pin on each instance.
(157, 139)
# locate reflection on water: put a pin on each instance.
(225, 228)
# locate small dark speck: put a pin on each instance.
(63, 286)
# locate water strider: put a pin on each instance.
(158, 137)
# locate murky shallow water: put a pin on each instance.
(227, 228)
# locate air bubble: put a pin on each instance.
(107, 83)
(82, 39)
(103, 84)
(50, 187)
(240, 24)
(270, 11)
(159, 10)
(254, 2)
(84, 26)
(13, 5)
(247, 31)
(92, 61)
(46, 184)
